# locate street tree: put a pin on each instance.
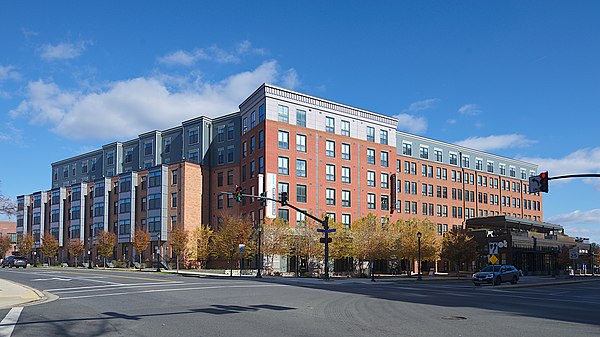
(233, 232)
(49, 247)
(458, 247)
(75, 248)
(105, 244)
(409, 240)
(25, 244)
(341, 242)
(305, 241)
(202, 237)
(7, 206)
(276, 235)
(5, 245)
(368, 240)
(179, 240)
(141, 240)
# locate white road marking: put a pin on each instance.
(108, 287)
(8, 323)
(51, 279)
(175, 289)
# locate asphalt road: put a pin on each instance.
(119, 303)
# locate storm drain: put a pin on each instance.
(454, 318)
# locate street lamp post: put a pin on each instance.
(259, 260)
(419, 278)
(158, 253)
(35, 258)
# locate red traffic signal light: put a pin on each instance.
(284, 198)
(544, 181)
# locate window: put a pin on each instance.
(370, 134)
(370, 201)
(261, 113)
(109, 158)
(438, 155)
(300, 193)
(301, 143)
(220, 134)
(478, 164)
(154, 201)
(329, 148)
(261, 164)
(174, 174)
(283, 113)
(345, 198)
(345, 151)
(384, 159)
(154, 179)
(244, 125)
(252, 119)
(383, 137)
(301, 118)
(147, 149)
(284, 214)
(252, 143)
(371, 156)
(345, 175)
(384, 179)
(283, 138)
(230, 153)
(173, 200)
(125, 185)
(244, 149)
(346, 220)
(261, 139)
(330, 196)
(513, 172)
(330, 172)
(194, 157)
(220, 156)
(283, 165)
(371, 178)
(385, 202)
(300, 168)
(453, 159)
(502, 169)
(466, 161)
(407, 149)
(329, 124)
(490, 167)
(84, 167)
(125, 205)
(345, 128)
(230, 129)
(252, 168)
(424, 152)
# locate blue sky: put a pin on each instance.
(518, 79)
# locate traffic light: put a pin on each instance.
(263, 200)
(238, 193)
(284, 198)
(544, 181)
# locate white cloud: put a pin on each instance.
(9, 73)
(417, 106)
(577, 217)
(11, 134)
(411, 123)
(124, 109)
(496, 142)
(469, 110)
(62, 51)
(580, 161)
(290, 79)
(213, 53)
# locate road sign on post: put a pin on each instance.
(535, 184)
(574, 253)
(493, 248)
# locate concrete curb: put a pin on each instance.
(42, 297)
(551, 283)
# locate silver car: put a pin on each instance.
(496, 274)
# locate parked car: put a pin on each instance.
(496, 274)
(14, 261)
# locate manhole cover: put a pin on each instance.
(454, 318)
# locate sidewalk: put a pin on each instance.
(17, 295)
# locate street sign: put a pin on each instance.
(574, 253)
(330, 230)
(322, 240)
(493, 248)
(242, 248)
(535, 184)
(493, 259)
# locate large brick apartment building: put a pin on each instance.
(329, 157)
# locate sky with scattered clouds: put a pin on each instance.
(515, 79)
